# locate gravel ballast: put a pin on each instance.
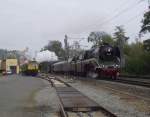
(108, 99)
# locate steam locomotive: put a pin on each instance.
(96, 62)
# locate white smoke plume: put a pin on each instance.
(46, 56)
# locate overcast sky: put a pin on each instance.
(31, 23)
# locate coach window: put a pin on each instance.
(70, 59)
(75, 58)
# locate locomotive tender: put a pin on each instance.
(97, 62)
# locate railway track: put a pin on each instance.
(135, 76)
(130, 81)
(73, 103)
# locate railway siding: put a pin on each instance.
(73, 103)
(135, 76)
(121, 99)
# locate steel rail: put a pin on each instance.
(124, 81)
(130, 82)
(135, 76)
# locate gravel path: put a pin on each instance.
(47, 101)
(22, 96)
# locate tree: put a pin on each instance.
(98, 38)
(120, 40)
(146, 23)
(119, 36)
(4, 54)
(56, 47)
(11, 56)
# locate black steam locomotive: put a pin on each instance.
(96, 62)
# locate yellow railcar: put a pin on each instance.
(30, 68)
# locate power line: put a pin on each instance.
(79, 39)
(117, 15)
(127, 22)
(75, 38)
(133, 18)
(124, 3)
(121, 12)
(132, 6)
(120, 6)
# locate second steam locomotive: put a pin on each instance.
(96, 62)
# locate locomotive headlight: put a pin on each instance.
(117, 66)
(102, 66)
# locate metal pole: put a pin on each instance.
(149, 4)
(66, 47)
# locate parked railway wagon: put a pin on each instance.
(46, 66)
(30, 68)
(96, 62)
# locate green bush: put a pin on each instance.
(137, 60)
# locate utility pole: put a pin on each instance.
(121, 43)
(149, 4)
(66, 47)
(75, 45)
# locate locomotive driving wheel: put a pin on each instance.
(114, 77)
(92, 74)
(90, 71)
